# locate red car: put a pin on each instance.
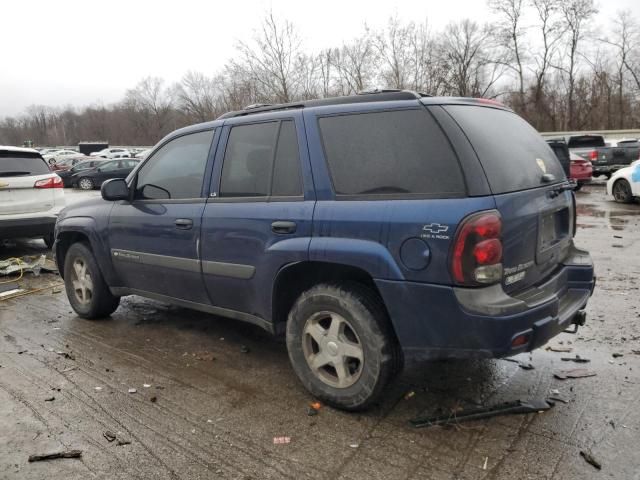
(67, 163)
(581, 170)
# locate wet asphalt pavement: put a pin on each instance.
(211, 393)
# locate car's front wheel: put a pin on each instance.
(87, 291)
(622, 191)
(341, 344)
(86, 183)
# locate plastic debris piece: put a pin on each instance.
(576, 359)
(478, 413)
(54, 455)
(312, 412)
(153, 399)
(557, 398)
(354, 445)
(575, 373)
(526, 366)
(617, 355)
(49, 399)
(559, 349)
(146, 385)
(409, 395)
(316, 405)
(554, 391)
(98, 389)
(132, 390)
(122, 442)
(486, 460)
(590, 459)
(281, 440)
(110, 436)
(244, 349)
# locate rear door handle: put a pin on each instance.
(184, 223)
(283, 227)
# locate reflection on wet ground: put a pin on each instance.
(606, 212)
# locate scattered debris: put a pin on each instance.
(281, 440)
(526, 366)
(635, 352)
(354, 445)
(204, 356)
(409, 395)
(67, 355)
(559, 349)
(590, 459)
(557, 398)
(554, 391)
(98, 389)
(146, 385)
(68, 369)
(575, 373)
(244, 349)
(316, 405)
(153, 399)
(110, 436)
(25, 264)
(49, 399)
(576, 359)
(122, 442)
(312, 412)
(132, 390)
(486, 460)
(20, 352)
(54, 455)
(617, 355)
(478, 413)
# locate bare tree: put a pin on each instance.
(509, 33)
(197, 96)
(270, 60)
(355, 64)
(471, 70)
(576, 14)
(393, 48)
(151, 107)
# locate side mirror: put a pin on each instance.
(115, 189)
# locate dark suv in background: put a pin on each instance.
(370, 230)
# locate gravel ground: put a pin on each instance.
(211, 394)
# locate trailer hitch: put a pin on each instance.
(578, 320)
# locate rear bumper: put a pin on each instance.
(27, 227)
(434, 321)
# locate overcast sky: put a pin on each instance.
(86, 52)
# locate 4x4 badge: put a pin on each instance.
(435, 228)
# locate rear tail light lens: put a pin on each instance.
(53, 182)
(593, 155)
(477, 250)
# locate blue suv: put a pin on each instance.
(369, 230)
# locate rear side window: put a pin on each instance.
(395, 152)
(513, 154)
(586, 141)
(18, 164)
(261, 160)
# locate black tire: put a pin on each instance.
(99, 303)
(48, 240)
(622, 191)
(86, 183)
(578, 186)
(366, 325)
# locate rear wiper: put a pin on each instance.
(13, 174)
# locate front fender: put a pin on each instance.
(367, 255)
(69, 229)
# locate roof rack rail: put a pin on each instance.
(376, 95)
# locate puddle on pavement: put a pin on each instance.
(617, 219)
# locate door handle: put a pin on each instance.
(184, 223)
(283, 227)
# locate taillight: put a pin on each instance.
(477, 250)
(53, 182)
(593, 155)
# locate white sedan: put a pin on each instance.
(624, 185)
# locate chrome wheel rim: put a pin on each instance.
(82, 282)
(86, 184)
(332, 349)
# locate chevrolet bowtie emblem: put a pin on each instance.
(435, 228)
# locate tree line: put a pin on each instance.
(555, 62)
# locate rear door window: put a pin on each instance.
(586, 141)
(513, 154)
(400, 152)
(17, 164)
(287, 181)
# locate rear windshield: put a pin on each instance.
(400, 152)
(586, 141)
(17, 164)
(513, 154)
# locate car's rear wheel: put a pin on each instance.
(341, 344)
(622, 191)
(86, 184)
(86, 289)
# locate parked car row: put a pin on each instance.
(605, 158)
